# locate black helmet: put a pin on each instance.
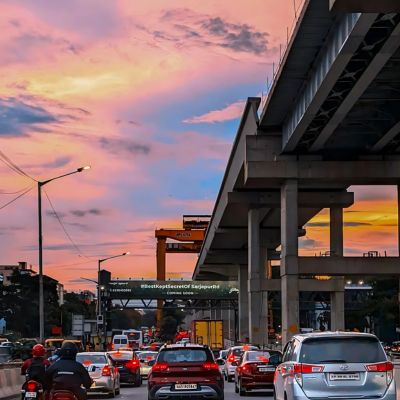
(68, 351)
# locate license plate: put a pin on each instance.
(266, 369)
(185, 386)
(344, 377)
(30, 395)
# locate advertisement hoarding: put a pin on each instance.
(208, 290)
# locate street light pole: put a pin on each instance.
(40, 228)
(98, 311)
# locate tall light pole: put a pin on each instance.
(99, 286)
(41, 291)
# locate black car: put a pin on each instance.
(128, 365)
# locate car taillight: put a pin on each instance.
(161, 367)
(231, 359)
(132, 364)
(31, 386)
(210, 366)
(382, 367)
(106, 371)
(300, 369)
(246, 369)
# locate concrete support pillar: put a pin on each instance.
(336, 248)
(258, 300)
(289, 259)
(243, 303)
(398, 233)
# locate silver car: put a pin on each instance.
(101, 369)
(334, 365)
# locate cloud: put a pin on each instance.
(197, 29)
(228, 113)
(18, 117)
(53, 215)
(91, 211)
(124, 147)
(56, 163)
(237, 37)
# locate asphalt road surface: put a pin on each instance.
(140, 393)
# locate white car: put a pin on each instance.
(232, 358)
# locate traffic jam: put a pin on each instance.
(312, 365)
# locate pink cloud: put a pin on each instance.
(230, 112)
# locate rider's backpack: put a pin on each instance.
(36, 371)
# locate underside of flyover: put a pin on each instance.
(331, 120)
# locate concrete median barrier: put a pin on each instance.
(10, 382)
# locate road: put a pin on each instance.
(140, 393)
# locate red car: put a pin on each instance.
(185, 371)
(255, 371)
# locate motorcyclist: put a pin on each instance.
(34, 368)
(68, 374)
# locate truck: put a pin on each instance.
(209, 332)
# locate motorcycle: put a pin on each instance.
(32, 390)
(62, 395)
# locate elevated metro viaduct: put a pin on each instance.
(331, 120)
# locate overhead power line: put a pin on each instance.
(80, 252)
(10, 164)
(16, 198)
(16, 192)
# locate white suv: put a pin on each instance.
(329, 365)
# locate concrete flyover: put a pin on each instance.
(331, 120)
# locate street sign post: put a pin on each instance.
(77, 324)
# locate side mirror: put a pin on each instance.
(151, 363)
(234, 363)
(220, 361)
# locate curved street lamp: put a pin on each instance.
(40, 184)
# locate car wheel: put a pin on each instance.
(242, 391)
(236, 388)
(111, 394)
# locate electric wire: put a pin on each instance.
(16, 198)
(16, 192)
(79, 251)
(7, 161)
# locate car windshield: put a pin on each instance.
(184, 355)
(87, 359)
(341, 350)
(133, 335)
(147, 355)
(238, 352)
(121, 355)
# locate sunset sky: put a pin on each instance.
(149, 93)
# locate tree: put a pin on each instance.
(73, 304)
(171, 319)
(20, 303)
(125, 319)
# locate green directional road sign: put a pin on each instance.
(154, 290)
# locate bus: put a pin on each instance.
(135, 338)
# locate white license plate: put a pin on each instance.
(344, 377)
(30, 395)
(266, 369)
(185, 386)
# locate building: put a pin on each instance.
(6, 271)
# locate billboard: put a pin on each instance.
(154, 290)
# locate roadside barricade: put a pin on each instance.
(10, 380)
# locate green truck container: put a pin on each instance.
(209, 332)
